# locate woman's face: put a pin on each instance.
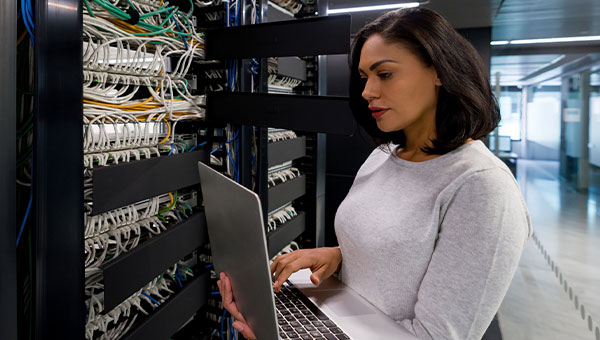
(401, 90)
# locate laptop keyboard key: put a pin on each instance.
(342, 336)
(311, 317)
(304, 321)
(300, 330)
(295, 324)
(293, 335)
(290, 318)
(329, 323)
(305, 337)
(315, 334)
(309, 328)
(318, 324)
(330, 336)
(287, 328)
(323, 330)
(335, 330)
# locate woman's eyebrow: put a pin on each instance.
(377, 63)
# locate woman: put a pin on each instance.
(433, 227)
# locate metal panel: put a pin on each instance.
(8, 255)
(304, 113)
(281, 39)
(321, 161)
(121, 184)
(285, 234)
(58, 173)
(286, 150)
(286, 192)
(175, 312)
(262, 167)
(262, 141)
(292, 67)
(129, 272)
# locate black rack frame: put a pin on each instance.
(282, 236)
(286, 192)
(175, 312)
(8, 221)
(281, 39)
(58, 175)
(125, 274)
(324, 114)
(113, 185)
(286, 150)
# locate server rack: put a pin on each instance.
(58, 233)
(318, 114)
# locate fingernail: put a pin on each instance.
(275, 283)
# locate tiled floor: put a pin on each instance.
(560, 268)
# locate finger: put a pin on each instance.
(226, 293)
(279, 260)
(289, 270)
(318, 275)
(274, 264)
(243, 328)
(231, 305)
(286, 260)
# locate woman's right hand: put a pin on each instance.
(323, 262)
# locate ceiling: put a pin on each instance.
(511, 20)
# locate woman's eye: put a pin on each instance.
(384, 75)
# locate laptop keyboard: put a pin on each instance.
(299, 318)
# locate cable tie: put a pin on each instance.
(134, 16)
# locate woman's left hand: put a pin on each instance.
(228, 301)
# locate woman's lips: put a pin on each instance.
(377, 113)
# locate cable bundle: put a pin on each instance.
(294, 6)
(283, 81)
(136, 61)
(276, 135)
(280, 216)
(118, 321)
(281, 176)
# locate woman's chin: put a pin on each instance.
(385, 127)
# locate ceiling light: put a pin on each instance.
(555, 40)
(373, 8)
(546, 40)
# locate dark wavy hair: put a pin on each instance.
(466, 107)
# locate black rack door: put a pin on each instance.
(8, 85)
(58, 171)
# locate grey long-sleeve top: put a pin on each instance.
(433, 244)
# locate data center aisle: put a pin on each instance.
(555, 293)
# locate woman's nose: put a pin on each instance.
(371, 90)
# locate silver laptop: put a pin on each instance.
(330, 311)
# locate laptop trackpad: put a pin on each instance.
(342, 303)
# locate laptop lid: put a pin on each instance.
(238, 244)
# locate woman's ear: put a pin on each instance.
(436, 79)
